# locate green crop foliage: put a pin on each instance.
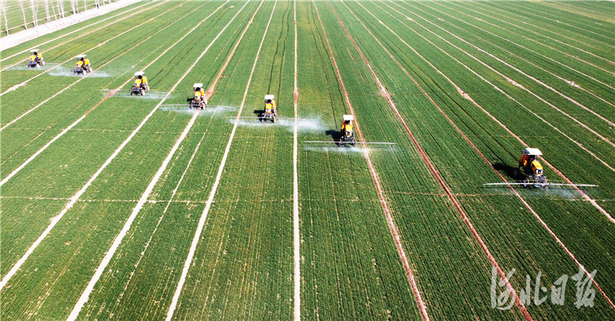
(243, 264)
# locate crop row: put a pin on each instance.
(242, 266)
(439, 141)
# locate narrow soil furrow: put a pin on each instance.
(393, 228)
(296, 232)
(203, 218)
(520, 22)
(559, 242)
(542, 44)
(527, 10)
(118, 240)
(522, 73)
(111, 93)
(25, 82)
(75, 197)
(532, 51)
(468, 97)
(606, 140)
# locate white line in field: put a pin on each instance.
(510, 97)
(396, 237)
(495, 87)
(111, 93)
(432, 168)
(212, 88)
(485, 159)
(505, 77)
(530, 50)
(92, 48)
(539, 43)
(526, 10)
(75, 197)
(570, 25)
(199, 230)
(520, 71)
(521, 22)
(85, 27)
(296, 232)
(118, 240)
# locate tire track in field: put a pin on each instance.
(513, 99)
(88, 26)
(203, 218)
(212, 88)
(559, 242)
(296, 232)
(396, 237)
(538, 42)
(61, 91)
(25, 82)
(527, 61)
(520, 71)
(508, 79)
(118, 239)
(494, 86)
(519, 22)
(219, 75)
(111, 93)
(77, 195)
(521, 46)
(526, 11)
(49, 126)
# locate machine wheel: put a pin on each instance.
(142, 92)
(273, 119)
(516, 172)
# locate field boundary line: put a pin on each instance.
(25, 82)
(465, 95)
(501, 91)
(84, 27)
(296, 232)
(75, 197)
(559, 35)
(393, 228)
(203, 218)
(538, 42)
(519, 71)
(509, 80)
(567, 24)
(521, 46)
(118, 240)
(530, 50)
(180, 180)
(558, 241)
(111, 93)
(212, 89)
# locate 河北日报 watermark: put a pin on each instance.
(537, 293)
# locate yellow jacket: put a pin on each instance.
(346, 127)
(144, 80)
(198, 94)
(79, 64)
(86, 61)
(138, 82)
